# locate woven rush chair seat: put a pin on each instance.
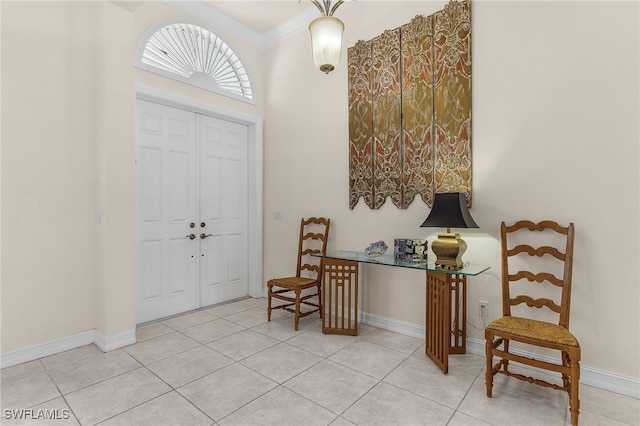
(530, 329)
(314, 233)
(548, 246)
(293, 282)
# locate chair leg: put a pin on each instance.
(574, 400)
(320, 301)
(505, 362)
(269, 287)
(566, 378)
(488, 378)
(297, 319)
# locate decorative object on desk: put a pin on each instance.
(376, 249)
(410, 250)
(326, 36)
(449, 211)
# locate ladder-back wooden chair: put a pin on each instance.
(524, 291)
(313, 239)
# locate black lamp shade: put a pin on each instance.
(449, 211)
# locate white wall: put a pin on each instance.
(67, 150)
(555, 136)
(555, 100)
(49, 262)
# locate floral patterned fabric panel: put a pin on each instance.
(360, 124)
(410, 111)
(452, 79)
(417, 110)
(387, 169)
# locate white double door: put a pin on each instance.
(191, 211)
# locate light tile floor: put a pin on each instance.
(227, 365)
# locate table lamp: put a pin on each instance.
(449, 211)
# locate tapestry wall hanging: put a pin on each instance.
(410, 110)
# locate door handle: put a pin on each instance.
(203, 236)
(191, 236)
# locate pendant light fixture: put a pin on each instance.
(326, 36)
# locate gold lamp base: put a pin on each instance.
(449, 248)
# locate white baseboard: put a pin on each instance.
(114, 342)
(52, 347)
(588, 375)
(29, 353)
(402, 327)
(601, 379)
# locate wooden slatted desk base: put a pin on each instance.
(446, 313)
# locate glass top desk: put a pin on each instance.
(446, 312)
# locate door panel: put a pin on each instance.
(235, 202)
(150, 255)
(180, 189)
(150, 200)
(235, 274)
(211, 202)
(180, 249)
(223, 207)
(166, 263)
(211, 261)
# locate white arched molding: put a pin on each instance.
(194, 55)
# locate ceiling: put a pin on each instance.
(260, 23)
(262, 16)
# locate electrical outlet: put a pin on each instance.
(483, 308)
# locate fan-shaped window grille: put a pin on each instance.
(195, 55)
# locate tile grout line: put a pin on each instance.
(289, 341)
(62, 395)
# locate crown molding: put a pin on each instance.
(298, 23)
(261, 41)
(220, 21)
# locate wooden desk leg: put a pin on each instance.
(445, 333)
(339, 296)
(438, 319)
(459, 318)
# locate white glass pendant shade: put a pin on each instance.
(326, 42)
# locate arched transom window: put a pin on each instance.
(195, 55)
